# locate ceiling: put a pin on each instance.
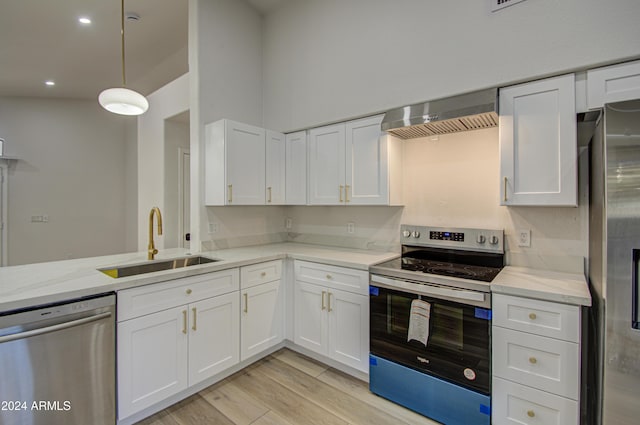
(42, 40)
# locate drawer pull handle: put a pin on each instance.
(329, 277)
(188, 291)
(531, 413)
(184, 321)
(532, 316)
(533, 360)
(195, 315)
(263, 274)
(323, 306)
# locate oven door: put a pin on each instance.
(458, 346)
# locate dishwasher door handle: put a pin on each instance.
(53, 328)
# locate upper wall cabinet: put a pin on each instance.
(613, 84)
(538, 146)
(354, 163)
(234, 164)
(296, 168)
(275, 167)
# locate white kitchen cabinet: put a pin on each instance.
(235, 159)
(213, 336)
(538, 143)
(296, 168)
(535, 362)
(152, 360)
(166, 345)
(330, 321)
(262, 317)
(614, 83)
(354, 163)
(275, 168)
(327, 165)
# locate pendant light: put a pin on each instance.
(121, 100)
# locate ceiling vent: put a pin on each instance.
(501, 4)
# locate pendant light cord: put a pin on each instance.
(124, 79)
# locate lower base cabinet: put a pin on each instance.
(333, 322)
(163, 353)
(262, 324)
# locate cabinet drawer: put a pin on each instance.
(351, 280)
(148, 299)
(544, 318)
(257, 274)
(516, 404)
(544, 363)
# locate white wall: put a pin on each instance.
(164, 103)
(72, 167)
(225, 61)
(329, 60)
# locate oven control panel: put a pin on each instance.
(447, 236)
(485, 240)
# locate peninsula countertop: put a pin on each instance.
(43, 283)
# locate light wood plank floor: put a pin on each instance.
(287, 388)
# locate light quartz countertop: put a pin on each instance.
(42, 283)
(567, 288)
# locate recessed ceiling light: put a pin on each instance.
(84, 20)
(50, 83)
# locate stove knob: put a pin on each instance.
(416, 234)
(481, 239)
(406, 233)
(494, 240)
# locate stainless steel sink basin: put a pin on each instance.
(155, 266)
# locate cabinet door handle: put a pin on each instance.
(230, 193)
(341, 187)
(532, 316)
(531, 413)
(195, 316)
(184, 321)
(246, 302)
(329, 302)
(269, 190)
(323, 306)
(505, 189)
(346, 193)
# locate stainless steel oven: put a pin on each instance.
(430, 323)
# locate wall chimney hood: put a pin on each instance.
(471, 111)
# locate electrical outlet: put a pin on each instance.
(288, 222)
(213, 227)
(524, 238)
(351, 227)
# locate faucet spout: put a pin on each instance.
(152, 251)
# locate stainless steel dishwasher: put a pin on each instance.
(57, 364)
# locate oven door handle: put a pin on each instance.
(425, 289)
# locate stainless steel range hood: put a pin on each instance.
(471, 111)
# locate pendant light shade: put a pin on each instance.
(121, 100)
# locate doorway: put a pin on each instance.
(176, 212)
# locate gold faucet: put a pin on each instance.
(152, 248)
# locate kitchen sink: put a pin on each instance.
(155, 266)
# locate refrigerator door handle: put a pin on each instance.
(635, 289)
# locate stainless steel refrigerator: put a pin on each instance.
(613, 355)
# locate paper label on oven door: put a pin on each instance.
(419, 321)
